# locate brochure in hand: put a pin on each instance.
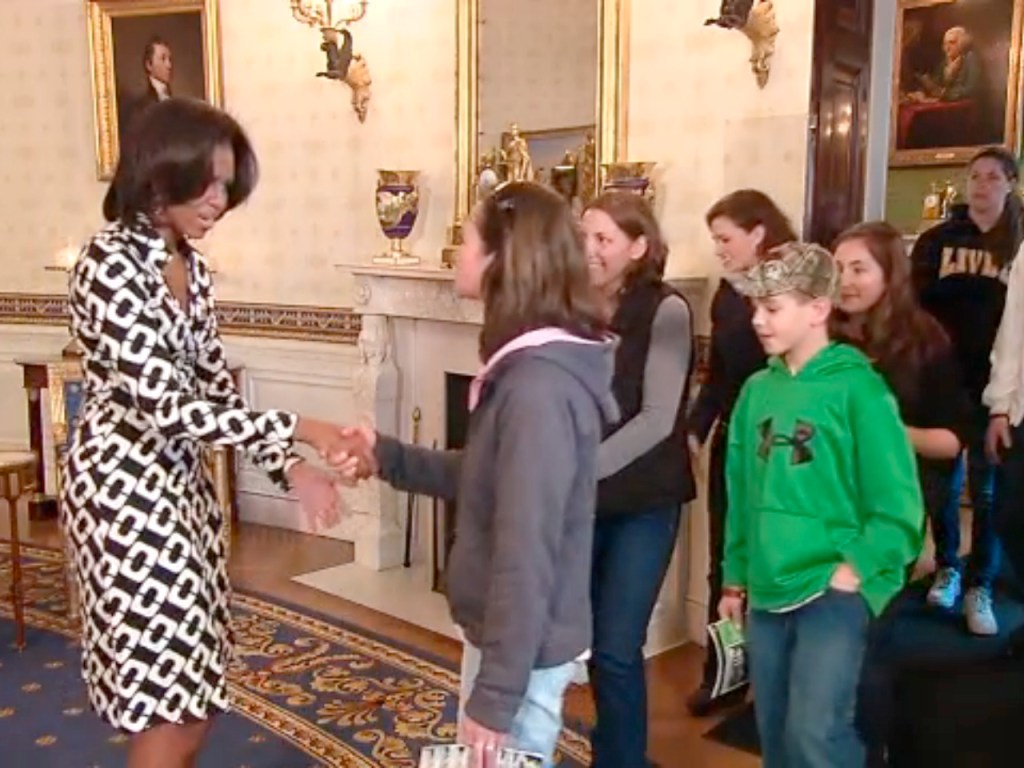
(458, 756)
(726, 638)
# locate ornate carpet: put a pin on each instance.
(307, 690)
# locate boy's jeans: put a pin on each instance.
(538, 722)
(805, 667)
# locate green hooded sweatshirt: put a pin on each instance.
(819, 472)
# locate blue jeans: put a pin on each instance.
(805, 667)
(632, 552)
(538, 722)
(980, 476)
(1008, 509)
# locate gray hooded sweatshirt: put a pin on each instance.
(519, 574)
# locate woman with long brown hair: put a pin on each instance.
(744, 225)
(879, 313)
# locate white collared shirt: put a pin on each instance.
(163, 91)
(1005, 391)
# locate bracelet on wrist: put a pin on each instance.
(734, 592)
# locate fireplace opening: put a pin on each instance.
(456, 429)
(456, 410)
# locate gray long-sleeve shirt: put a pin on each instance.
(665, 374)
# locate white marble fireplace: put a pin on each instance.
(414, 332)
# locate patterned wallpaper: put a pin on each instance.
(696, 110)
(314, 206)
(538, 65)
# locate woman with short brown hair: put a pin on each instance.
(644, 464)
(744, 226)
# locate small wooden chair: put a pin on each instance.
(17, 479)
(64, 383)
(219, 459)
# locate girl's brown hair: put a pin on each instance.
(898, 336)
(748, 208)
(634, 216)
(538, 275)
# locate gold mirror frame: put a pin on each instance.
(613, 79)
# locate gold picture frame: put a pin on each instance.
(120, 35)
(941, 113)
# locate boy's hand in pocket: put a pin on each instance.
(845, 579)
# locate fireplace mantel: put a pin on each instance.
(414, 329)
(428, 294)
(417, 294)
(414, 333)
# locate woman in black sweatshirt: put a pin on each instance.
(744, 226)
(960, 271)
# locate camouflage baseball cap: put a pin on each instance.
(803, 267)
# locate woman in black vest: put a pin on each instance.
(643, 460)
(744, 226)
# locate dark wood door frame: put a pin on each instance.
(837, 132)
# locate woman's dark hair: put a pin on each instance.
(748, 208)
(167, 159)
(538, 273)
(1003, 240)
(634, 216)
(897, 334)
(1006, 159)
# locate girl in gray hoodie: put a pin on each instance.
(525, 484)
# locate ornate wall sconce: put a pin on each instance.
(333, 19)
(756, 20)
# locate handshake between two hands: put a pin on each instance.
(349, 454)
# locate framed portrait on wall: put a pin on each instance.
(956, 79)
(144, 51)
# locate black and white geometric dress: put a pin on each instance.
(138, 500)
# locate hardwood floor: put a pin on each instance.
(265, 559)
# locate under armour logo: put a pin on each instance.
(802, 434)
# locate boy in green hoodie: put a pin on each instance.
(825, 513)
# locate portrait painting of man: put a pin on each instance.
(145, 52)
(955, 79)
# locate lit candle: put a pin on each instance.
(64, 260)
(67, 256)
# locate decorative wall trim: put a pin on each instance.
(290, 321)
(282, 321)
(33, 308)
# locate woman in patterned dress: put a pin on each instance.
(138, 502)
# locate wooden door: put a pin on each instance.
(837, 151)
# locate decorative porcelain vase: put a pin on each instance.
(398, 204)
(629, 177)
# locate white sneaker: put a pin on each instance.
(945, 589)
(981, 620)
